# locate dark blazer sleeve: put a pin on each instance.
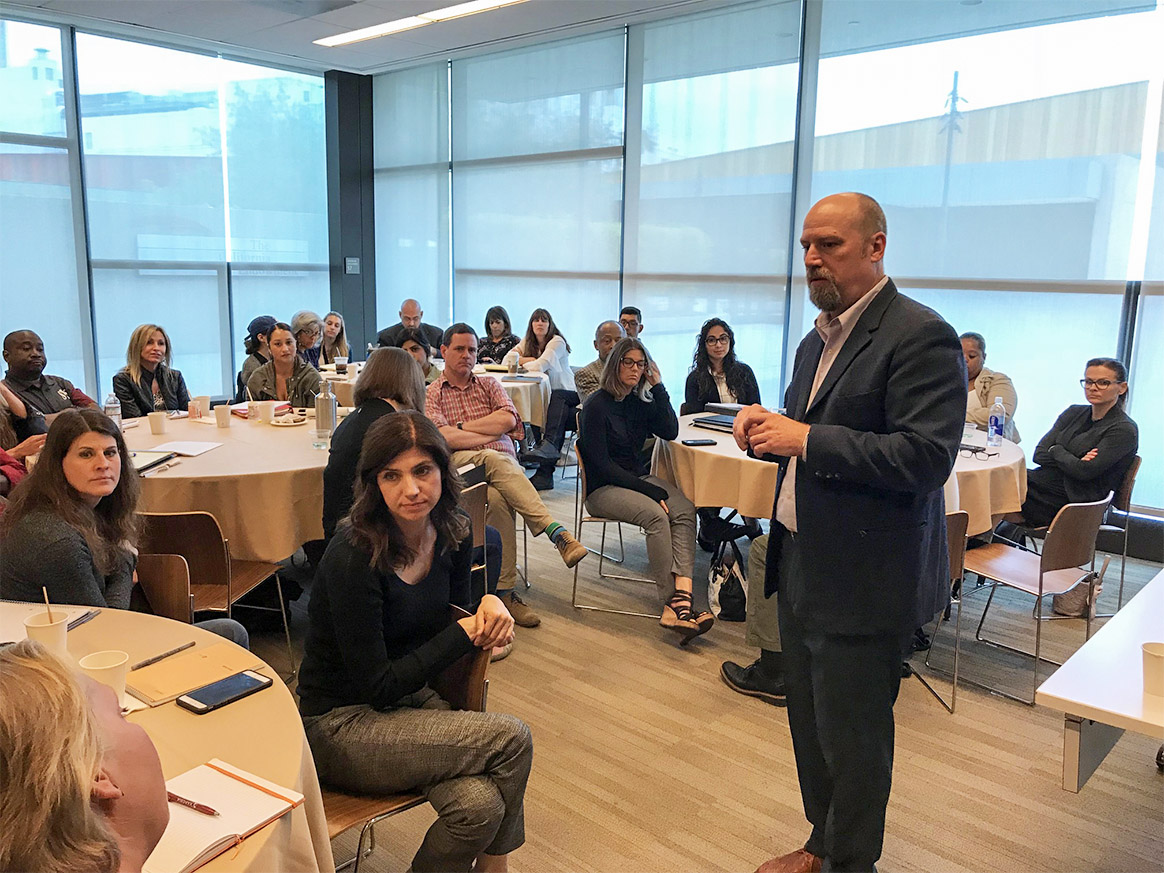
(1116, 444)
(181, 395)
(692, 402)
(750, 389)
(123, 388)
(1043, 456)
(923, 402)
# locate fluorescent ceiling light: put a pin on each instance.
(458, 11)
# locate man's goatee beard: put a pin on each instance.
(826, 298)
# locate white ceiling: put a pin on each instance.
(281, 31)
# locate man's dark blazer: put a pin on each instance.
(886, 425)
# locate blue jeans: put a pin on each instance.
(229, 628)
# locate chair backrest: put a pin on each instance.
(1071, 537)
(195, 536)
(165, 582)
(956, 526)
(579, 487)
(1123, 498)
(473, 500)
(464, 682)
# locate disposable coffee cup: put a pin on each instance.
(50, 633)
(254, 411)
(222, 415)
(1154, 669)
(204, 404)
(266, 411)
(158, 421)
(108, 668)
(341, 365)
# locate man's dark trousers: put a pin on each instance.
(841, 690)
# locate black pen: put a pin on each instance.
(84, 617)
(157, 658)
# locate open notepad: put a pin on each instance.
(244, 802)
(172, 677)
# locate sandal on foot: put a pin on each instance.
(677, 615)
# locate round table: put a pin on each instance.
(722, 475)
(532, 399)
(261, 733)
(264, 484)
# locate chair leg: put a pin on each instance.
(949, 707)
(286, 629)
(602, 555)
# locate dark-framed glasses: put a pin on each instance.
(1101, 384)
(630, 363)
(976, 453)
(722, 340)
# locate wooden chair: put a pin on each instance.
(465, 685)
(165, 584)
(581, 518)
(218, 581)
(956, 525)
(1067, 553)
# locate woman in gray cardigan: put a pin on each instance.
(286, 376)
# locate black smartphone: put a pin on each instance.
(218, 694)
(698, 442)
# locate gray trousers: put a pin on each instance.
(472, 767)
(763, 614)
(670, 536)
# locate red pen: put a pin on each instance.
(197, 807)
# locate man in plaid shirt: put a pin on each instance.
(477, 419)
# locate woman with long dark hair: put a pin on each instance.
(631, 405)
(286, 376)
(545, 350)
(147, 383)
(380, 632)
(498, 338)
(413, 341)
(71, 526)
(717, 375)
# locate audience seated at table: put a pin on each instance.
(985, 385)
(411, 315)
(413, 341)
(147, 383)
(631, 405)
(44, 396)
(258, 353)
(588, 379)
(717, 375)
(380, 631)
(545, 350)
(308, 329)
(83, 788)
(71, 525)
(479, 422)
(286, 376)
(498, 339)
(14, 450)
(631, 319)
(335, 341)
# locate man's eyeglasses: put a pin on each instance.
(1101, 384)
(632, 363)
(976, 453)
(718, 340)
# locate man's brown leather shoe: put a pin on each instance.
(800, 861)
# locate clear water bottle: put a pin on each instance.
(113, 409)
(997, 423)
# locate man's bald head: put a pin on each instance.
(605, 336)
(19, 336)
(844, 244)
(24, 354)
(411, 313)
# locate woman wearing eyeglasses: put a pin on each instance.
(631, 405)
(1088, 450)
(717, 376)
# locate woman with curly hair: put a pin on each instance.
(717, 376)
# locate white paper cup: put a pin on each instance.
(157, 421)
(108, 668)
(254, 411)
(266, 411)
(222, 415)
(204, 404)
(1154, 669)
(50, 634)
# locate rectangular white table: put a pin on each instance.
(1100, 688)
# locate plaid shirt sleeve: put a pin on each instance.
(498, 399)
(432, 404)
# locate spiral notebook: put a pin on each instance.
(244, 802)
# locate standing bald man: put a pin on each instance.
(857, 554)
(411, 315)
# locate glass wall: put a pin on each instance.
(206, 200)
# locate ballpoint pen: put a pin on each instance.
(190, 804)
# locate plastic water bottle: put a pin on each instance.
(113, 409)
(997, 423)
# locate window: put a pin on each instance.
(32, 102)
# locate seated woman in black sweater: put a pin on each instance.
(146, 383)
(1087, 451)
(379, 632)
(717, 376)
(631, 405)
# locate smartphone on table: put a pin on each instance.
(218, 694)
(698, 442)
